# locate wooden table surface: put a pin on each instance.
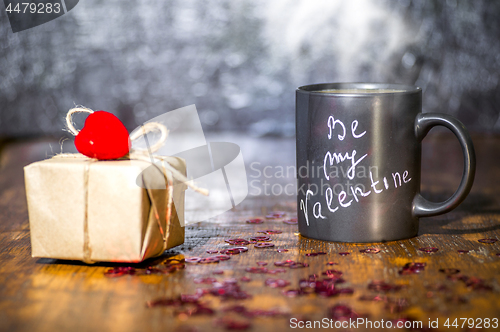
(53, 295)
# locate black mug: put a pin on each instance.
(358, 161)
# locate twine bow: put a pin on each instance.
(168, 171)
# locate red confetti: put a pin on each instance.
(331, 263)
(193, 259)
(335, 279)
(282, 250)
(326, 287)
(192, 298)
(245, 279)
(237, 242)
(255, 221)
(235, 308)
(412, 268)
(332, 273)
(218, 272)
(344, 253)
(228, 289)
(262, 263)
(460, 251)
(230, 251)
(264, 245)
(291, 264)
(428, 249)
(241, 249)
(489, 241)
(279, 270)
(276, 215)
(275, 283)
(270, 232)
(253, 269)
(166, 267)
(370, 251)
(212, 251)
(208, 260)
(223, 257)
(306, 286)
(260, 238)
(292, 221)
(233, 251)
(284, 263)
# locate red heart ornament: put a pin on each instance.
(103, 137)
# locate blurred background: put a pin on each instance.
(240, 61)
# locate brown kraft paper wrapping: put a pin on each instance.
(83, 209)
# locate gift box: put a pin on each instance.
(104, 210)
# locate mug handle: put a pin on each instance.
(423, 123)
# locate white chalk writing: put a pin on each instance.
(338, 158)
(353, 193)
